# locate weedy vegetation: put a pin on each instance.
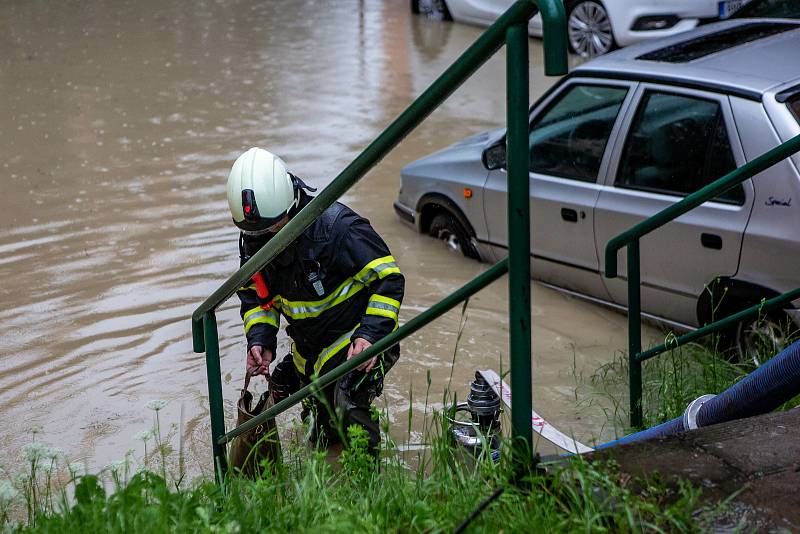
(670, 381)
(361, 493)
(307, 493)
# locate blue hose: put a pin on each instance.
(763, 390)
(760, 392)
(664, 429)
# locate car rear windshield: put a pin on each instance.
(779, 9)
(716, 42)
(794, 105)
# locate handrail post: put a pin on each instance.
(198, 336)
(211, 338)
(519, 243)
(634, 333)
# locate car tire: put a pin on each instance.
(589, 30)
(446, 228)
(433, 9)
(758, 340)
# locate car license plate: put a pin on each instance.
(729, 7)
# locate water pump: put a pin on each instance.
(482, 430)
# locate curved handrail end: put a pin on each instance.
(612, 248)
(198, 337)
(554, 35)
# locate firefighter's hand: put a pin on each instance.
(358, 346)
(258, 359)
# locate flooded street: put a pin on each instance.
(118, 125)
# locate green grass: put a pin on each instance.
(307, 494)
(670, 381)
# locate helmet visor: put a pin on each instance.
(262, 225)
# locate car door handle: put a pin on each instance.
(712, 241)
(569, 215)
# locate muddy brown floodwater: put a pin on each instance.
(118, 124)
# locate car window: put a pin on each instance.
(789, 9)
(794, 105)
(569, 138)
(676, 145)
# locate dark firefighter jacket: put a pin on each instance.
(337, 281)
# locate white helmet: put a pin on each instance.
(261, 192)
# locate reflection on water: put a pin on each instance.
(120, 121)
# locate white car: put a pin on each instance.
(595, 26)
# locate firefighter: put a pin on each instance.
(337, 286)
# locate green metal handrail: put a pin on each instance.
(475, 56)
(510, 28)
(731, 320)
(630, 239)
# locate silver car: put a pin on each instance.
(621, 138)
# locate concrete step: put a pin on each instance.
(759, 457)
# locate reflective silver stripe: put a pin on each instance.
(306, 309)
(377, 268)
(258, 315)
(375, 272)
(384, 306)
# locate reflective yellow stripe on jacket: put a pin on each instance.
(376, 269)
(259, 315)
(326, 354)
(383, 306)
(299, 361)
(331, 350)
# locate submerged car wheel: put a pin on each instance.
(447, 229)
(433, 9)
(589, 28)
(760, 339)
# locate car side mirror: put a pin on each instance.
(494, 157)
